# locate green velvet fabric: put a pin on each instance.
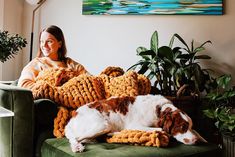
(5, 136)
(23, 134)
(16, 132)
(61, 148)
(45, 113)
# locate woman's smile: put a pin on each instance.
(49, 45)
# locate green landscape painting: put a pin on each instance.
(152, 7)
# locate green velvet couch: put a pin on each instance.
(23, 134)
(29, 133)
(16, 133)
(61, 148)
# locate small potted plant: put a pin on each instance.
(10, 45)
(222, 111)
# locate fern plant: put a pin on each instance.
(10, 45)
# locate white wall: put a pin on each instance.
(101, 40)
(11, 20)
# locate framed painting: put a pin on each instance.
(152, 7)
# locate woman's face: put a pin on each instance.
(49, 45)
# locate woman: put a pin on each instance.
(52, 54)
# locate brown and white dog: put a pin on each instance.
(146, 113)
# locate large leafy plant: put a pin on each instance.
(224, 119)
(10, 45)
(174, 70)
(221, 109)
(221, 90)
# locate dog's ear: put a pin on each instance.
(168, 123)
(180, 124)
(165, 119)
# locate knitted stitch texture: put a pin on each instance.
(70, 90)
(144, 138)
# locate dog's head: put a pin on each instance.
(178, 124)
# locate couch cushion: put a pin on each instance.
(60, 147)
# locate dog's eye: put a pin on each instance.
(184, 127)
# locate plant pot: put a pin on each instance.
(228, 145)
(188, 104)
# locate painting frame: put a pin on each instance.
(152, 7)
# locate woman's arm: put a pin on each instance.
(28, 75)
(30, 72)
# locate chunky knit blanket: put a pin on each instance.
(70, 90)
(144, 138)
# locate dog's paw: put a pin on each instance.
(78, 147)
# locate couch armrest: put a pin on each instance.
(20, 101)
(6, 82)
(45, 113)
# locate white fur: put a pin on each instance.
(90, 123)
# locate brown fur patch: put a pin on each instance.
(180, 125)
(116, 104)
(172, 122)
(186, 140)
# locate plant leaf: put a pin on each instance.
(223, 81)
(141, 49)
(147, 53)
(208, 41)
(144, 68)
(182, 40)
(154, 42)
(166, 52)
(202, 57)
(209, 113)
(172, 41)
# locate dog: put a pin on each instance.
(143, 112)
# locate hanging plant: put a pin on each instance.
(10, 45)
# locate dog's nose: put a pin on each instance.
(186, 140)
(195, 141)
(191, 141)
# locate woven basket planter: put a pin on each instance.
(228, 145)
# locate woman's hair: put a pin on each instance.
(58, 34)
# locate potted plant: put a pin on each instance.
(222, 112)
(175, 72)
(10, 45)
